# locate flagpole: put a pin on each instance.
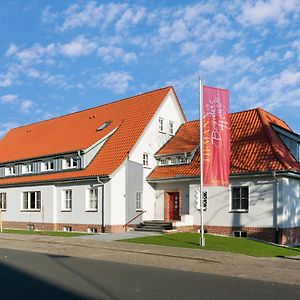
(202, 239)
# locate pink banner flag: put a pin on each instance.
(215, 136)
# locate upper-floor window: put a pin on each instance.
(11, 170)
(49, 165)
(70, 162)
(31, 200)
(145, 160)
(291, 141)
(28, 168)
(239, 199)
(161, 126)
(171, 127)
(163, 161)
(2, 201)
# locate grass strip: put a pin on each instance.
(218, 243)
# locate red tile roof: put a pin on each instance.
(255, 146)
(79, 131)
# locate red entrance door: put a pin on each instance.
(174, 206)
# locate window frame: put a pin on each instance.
(140, 201)
(25, 168)
(1, 201)
(46, 165)
(161, 125)
(146, 160)
(67, 203)
(89, 200)
(171, 126)
(239, 210)
(37, 201)
(68, 163)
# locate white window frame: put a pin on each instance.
(3, 201)
(94, 199)
(37, 201)
(11, 170)
(146, 159)
(161, 125)
(26, 169)
(241, 210)
(138, 201)
(171, 127)
(70, 163)
(67, 201)
(47, 165)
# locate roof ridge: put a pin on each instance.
(90, 108)
(260, 111)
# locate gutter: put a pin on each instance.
(102, 208)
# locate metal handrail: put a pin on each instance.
(133, 219)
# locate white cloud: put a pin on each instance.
(110, 54)
(25, 106)
(132, 16)
(91, 15)
(6, 126)
(36, 54)
(11, 50)
(261, 12)
(80, 46)
(8, 98)
(213, 63)
(5, 81)
(117, 82)
(268, 56)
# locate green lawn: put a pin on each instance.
(218, 243)
(49, 233)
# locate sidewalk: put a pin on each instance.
(282, 270)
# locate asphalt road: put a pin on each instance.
(27, 275)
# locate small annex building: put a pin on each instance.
(86, 171)
(263, 200)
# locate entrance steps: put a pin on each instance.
(154, 226)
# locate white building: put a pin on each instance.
(86, 171)
(263, 200)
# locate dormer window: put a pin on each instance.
(103, 126)
(70, 162)
(291, 141)
(11, 170)
(49, 165)
(28, 168)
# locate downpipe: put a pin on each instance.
(102, 205)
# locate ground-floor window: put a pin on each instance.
(31, 200)
(67, 200)
(3, 201)
(239, 198)
(138, 200)
(92, 203)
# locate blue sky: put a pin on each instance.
(57, 56)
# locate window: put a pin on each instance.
(161, 125)
(181, 159)
(3, 201)
(292, 145)
(145, 160)
(49, 165)
(31, 201)
(171, 127)
(92, 200)
(103, 126)
(28, 168)
(70, 162)
(67, 200)
(240, 198)
(138, 201)
(163, 162)
(11, 170)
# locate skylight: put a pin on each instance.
(103, 126)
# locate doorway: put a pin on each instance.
(174, 206)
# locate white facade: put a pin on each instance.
(119, 190)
